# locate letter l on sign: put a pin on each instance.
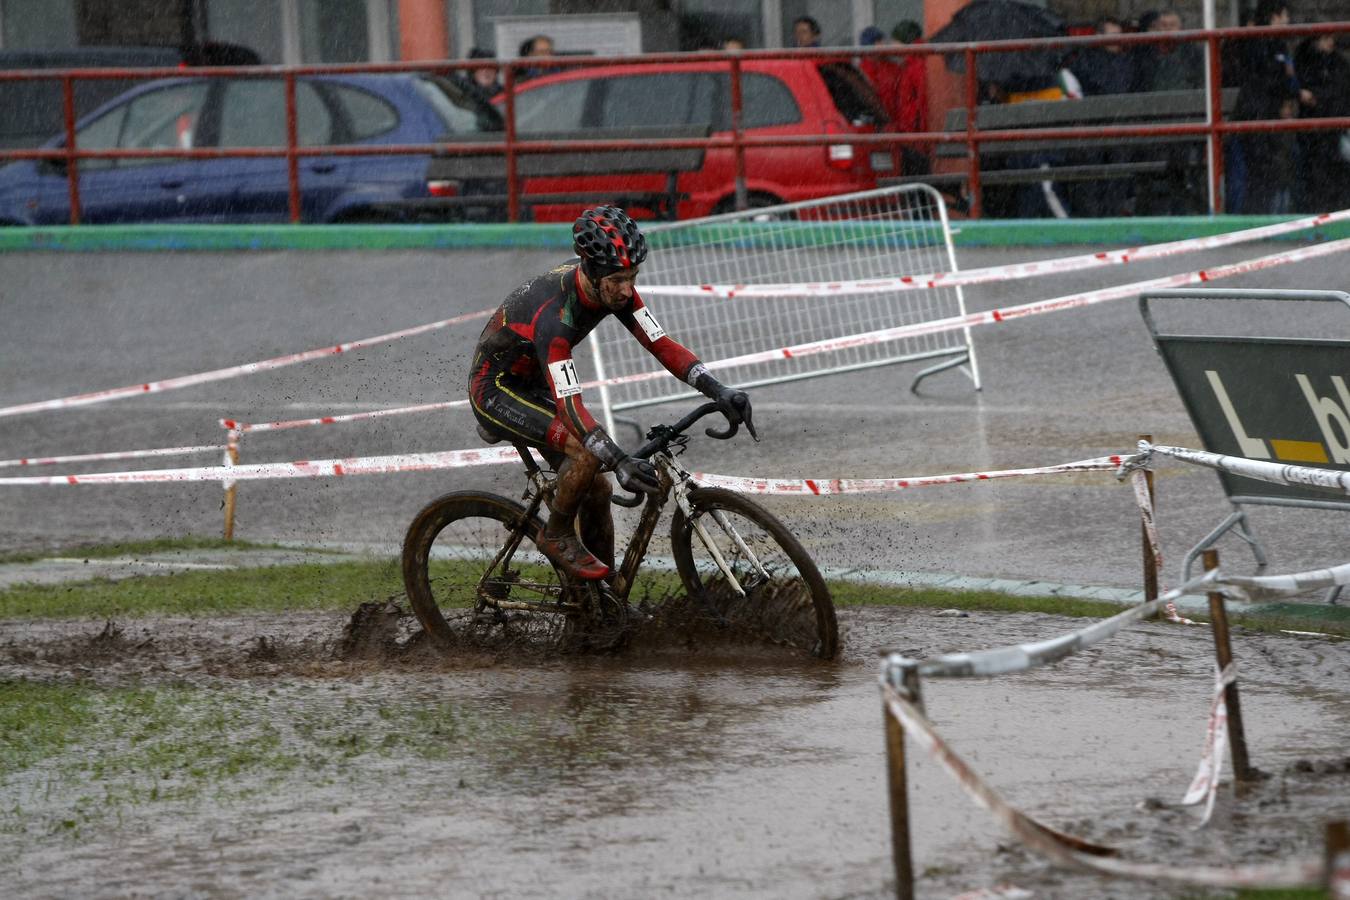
(1252, 448)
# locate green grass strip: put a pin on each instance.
(529, 236)
(136, 549)
(345, 585)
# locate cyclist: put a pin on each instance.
(524, 387)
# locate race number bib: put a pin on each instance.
(650, 326)
(565, 380)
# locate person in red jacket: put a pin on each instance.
(524, 388)
(902, 85)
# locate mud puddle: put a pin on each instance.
(359, 761)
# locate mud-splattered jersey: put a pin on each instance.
(531, 336)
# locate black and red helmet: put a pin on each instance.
(608, 241)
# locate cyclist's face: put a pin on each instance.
(616, 291)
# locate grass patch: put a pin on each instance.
(269, 589)
(344, 585)
(139, 548)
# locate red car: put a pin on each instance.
(780, 97)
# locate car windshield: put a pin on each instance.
(458, 106)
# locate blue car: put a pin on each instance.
(331, 110)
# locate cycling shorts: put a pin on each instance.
(519, 411)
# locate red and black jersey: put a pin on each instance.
(531, 335)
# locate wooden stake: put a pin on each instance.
(1223, 652)
(1338, 860)
(1150, 561)
(231, 492)
(897, 789)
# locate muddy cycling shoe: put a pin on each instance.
(567, 552)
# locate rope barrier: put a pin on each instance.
(1293, 873)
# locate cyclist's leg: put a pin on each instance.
(523, 412)
(597, 520)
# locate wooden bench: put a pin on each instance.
(1080, 159)
(482, 193)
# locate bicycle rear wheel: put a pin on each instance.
(474, 575)
(782, 596)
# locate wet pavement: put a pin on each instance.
(685, 774)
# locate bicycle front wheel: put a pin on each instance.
(744, 569)
(471, 568)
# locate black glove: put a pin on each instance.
(637, 476)
(735, 405)
(732, 403)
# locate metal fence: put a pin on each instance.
(886, 233)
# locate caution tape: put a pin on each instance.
(1144, 500)
(819, 487)
(266, 365)
(325, 468)
(1292, 873)
(1333, 480)
(1205, 785)
(1024, 657)
(115, 454)
(990, 274)
(1005, 314)
(1264, 588)
(829, 345)
(254, 427)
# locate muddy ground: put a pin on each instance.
(667, 770)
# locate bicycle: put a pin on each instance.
(471, 566)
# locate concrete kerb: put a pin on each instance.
(207, 238)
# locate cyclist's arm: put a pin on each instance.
(555, 359)
(677, 359)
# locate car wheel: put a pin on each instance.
(756, 200)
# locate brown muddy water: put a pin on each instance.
(295, 758)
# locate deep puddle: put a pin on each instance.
(728, 772)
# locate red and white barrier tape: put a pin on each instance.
(1333, 480)
(952, 323)
(989, 274)
(1139, 481)
(323, 468)
(1205, 785)
(1293, 873)
(451, 459)
(116, 454)
(278, 362)
(250, 428)
(827, 486)
(829, 345)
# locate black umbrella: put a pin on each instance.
(1003, 20)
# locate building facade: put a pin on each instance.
(339, 31)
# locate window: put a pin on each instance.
(101, 134)
(765, 101)
(367, 115)
(253, 114)
(659, 99)
(557, 107)
(163, 119)
(456, 106)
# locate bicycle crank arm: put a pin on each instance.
(717, 557)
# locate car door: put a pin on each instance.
(133, 190)
(252, 113)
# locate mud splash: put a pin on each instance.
(681, 767)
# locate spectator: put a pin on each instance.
(1267, 83)
(539, 45)
(901, 83)
(1105, 68)
(1167, 67)
(733, 44)
(1325, 73)
(806, 31)
(486, 80)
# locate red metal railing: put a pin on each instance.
(738, 141)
